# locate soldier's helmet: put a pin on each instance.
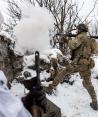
(82, 28)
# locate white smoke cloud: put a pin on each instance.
(32, 31)
(1, 20)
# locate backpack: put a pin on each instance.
(94, 46)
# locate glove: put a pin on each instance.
(49, 89)
(27, 74)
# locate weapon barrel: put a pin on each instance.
(66, 35)
(96, 37)
(37, 63)
(72, 35)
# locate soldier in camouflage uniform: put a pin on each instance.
(54, 70)
(10, 63)
(5, 63)
(81, 62)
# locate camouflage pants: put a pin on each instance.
(54, 70)
(85, 73)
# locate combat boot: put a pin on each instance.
(94, 105)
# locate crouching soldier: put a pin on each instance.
(35, 101)
(10, 62)
(81, 62)
(5, 63)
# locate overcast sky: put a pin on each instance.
(2, 5)
(87, 7)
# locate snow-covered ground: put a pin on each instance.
(73, 100)
(33, 34)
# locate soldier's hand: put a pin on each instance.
(50, 89)
(27, 74)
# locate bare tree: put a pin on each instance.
(64, 12)
(90, 11)
(94, 27)
(14, 15)
(65, 15)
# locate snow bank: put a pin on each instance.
(10, 105)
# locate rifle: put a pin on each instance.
(37, 68)
(35, 100)
(72, 35)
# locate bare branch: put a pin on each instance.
(90, 11)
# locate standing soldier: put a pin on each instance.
(81, 62)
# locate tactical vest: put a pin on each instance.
(84, 51)
(88, 48)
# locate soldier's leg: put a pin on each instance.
(53, 73)
(61, 76)
(62, 73)
(89, 87)
(54, 63)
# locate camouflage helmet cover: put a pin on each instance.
(82, 28)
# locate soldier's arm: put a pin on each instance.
(76, 42)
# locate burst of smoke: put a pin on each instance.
(32, 31)
(1, 20)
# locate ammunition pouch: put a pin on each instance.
(84, 62)
(92, 64)
(87, 62)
